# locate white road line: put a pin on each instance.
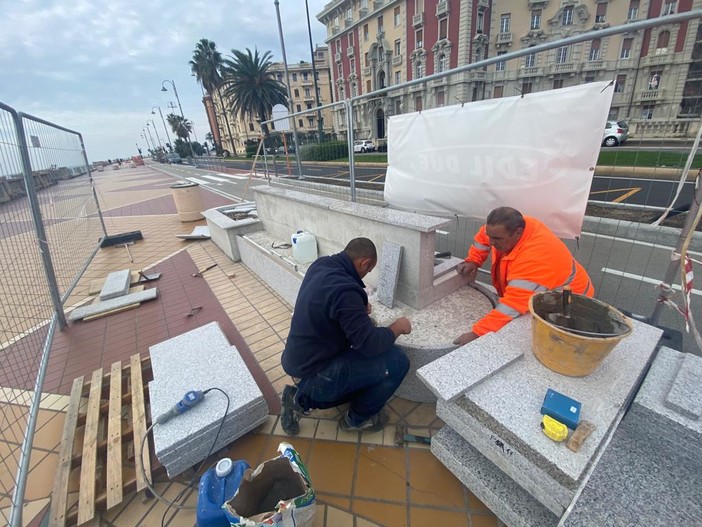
(195, 180)
(623, 178)
(218, 179)
(232, 176)
(636, 242)
(644, 279)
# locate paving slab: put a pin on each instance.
(389, 266)
(113, 303)
(116, 284)
(685, 396)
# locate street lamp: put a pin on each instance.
(148, 131)
(164, 124)
(175, 91)
(151, 121)
(143, 135)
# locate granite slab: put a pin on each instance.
(685, 395)
(112, 303)
(508, 403)
(466, 367)
(510, 502)
(389, 265)
(116, 284)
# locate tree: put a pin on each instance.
(251, 86)
(209, 137)
(180, 125)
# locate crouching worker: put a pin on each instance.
(334, 352)
(527, 258)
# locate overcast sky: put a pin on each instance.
(96, 66)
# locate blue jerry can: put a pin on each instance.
(218, 485)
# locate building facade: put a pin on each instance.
(377, 44)
(302, 83)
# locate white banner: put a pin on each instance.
(535, 153)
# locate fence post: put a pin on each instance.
(37, 220)
(348, 106)
(92, 185)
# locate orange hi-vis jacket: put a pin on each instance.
(539, 262)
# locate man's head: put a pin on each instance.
(363, 255)
(504, 227)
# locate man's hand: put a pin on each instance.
(468, 269)
(465, 338)
(402, 326)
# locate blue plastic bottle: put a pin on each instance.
(218, 485)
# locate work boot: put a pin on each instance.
(372, 424)
(292, 412)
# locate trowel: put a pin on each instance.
(563, 319)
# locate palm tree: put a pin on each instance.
(251, 86)
(180, 125)
(206, 65)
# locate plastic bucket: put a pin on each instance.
(215, 488)
(596, 328)
(304, 246)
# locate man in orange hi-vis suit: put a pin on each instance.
(527, 258)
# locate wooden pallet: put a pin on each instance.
(112, 424)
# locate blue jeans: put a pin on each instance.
(367, 383)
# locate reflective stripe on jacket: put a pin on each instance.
(540, 261)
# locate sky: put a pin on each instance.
(97, 66)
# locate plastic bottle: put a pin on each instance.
(304, 246)
(218, 485)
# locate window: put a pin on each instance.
(601, 13)
(308, 105)
(440, 98)
(381, 79)
(419, 39)
(279, 76)
(398, 106)
(380, 24)
(655, 80)
(663, 40)
(364, 4)
(336, 21)
(351, 39)
(366, 60)
(589, 79)
(420, 70)
(480, 22)
(307, 93)
(301, 124)
(478, 54)
(251, 127)
(299, 108)
(562, 55)
(418, 103)
(530, 61)
(396, 16)
(354, 89)
(505, 23)
(294, 77)
(352, 64)
(647, 111)
(626, 48)
(365, 32)
(526, 88)
(368, 86)
(500, 66)
(595, 49)
(619, 84)
(535, 19)
(296, 92)
(443, 28)
(339, 71)
(305, 76)
(633, 12)
(557, 83)
(338, 45)
(498, 92)
(418, 6)
(398, 44)
(443, 63)
(567, 16)
(349, 14)
(310, 121)
(668, 9)
(320, 55)
(398, 77)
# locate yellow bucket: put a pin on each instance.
(577, 345)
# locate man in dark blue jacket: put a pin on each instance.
(334, 352)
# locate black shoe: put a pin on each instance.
(292, 412)
(372, 424)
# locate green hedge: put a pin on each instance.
(324, 151)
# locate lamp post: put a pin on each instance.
(175, 91)
(151, 121)
(164, 124)
(320, 129)
(143, 134)
(148, 131)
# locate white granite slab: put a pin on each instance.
(389, 265)
(201, 232)
(116, 284)
(685, 396)
(113, 303)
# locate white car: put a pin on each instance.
(363, 146)
(615, 133)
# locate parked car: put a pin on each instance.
(174, 158)
(615, 133)
(363, 146)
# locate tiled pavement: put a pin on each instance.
(362, 480)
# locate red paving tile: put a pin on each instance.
(165, 205)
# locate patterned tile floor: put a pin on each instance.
(362, 480)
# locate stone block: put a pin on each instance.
(510, 502)
(685, 396)
(116, 284)
(112, 303)
(389, 267)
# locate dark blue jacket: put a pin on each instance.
(330, 318)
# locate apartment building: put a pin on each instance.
(302, 85)
(376, 44)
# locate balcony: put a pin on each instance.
(442, 8)
(565, 67)
(377, 4)
(477, 75)
(531, 71)
(504, 38)
(362, 12)
(337, 56)
(397, 60)
(651, 95)
(658, 59)
(350, 51)
(366, 71)
(335, 30)
(537, 3)
(348, 22)
(418, 19)
(594, 65)
(484, 4)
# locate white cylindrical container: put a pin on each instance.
(304, 246)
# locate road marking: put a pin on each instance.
(632, 191)
(215, 178)
(376, 177)
(645, 279)
(195, 180)
(636, 242)
(647, 180)
(232, 176)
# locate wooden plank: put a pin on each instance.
(114, 438)
(141, 456)
(86, 497)
(59, 497)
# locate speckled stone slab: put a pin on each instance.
(390, 259)
(510, 502)
(508, 403)
(685, 395)
(474, 362)
(113, 303)
(116, 284)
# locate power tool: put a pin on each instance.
(189, 400)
